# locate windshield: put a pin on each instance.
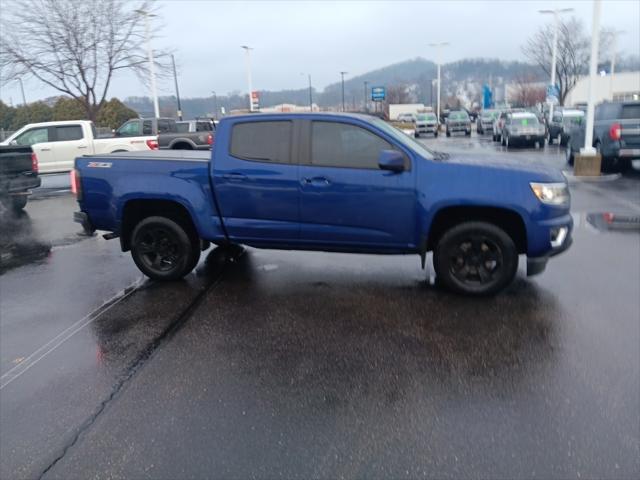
(524, 121)
(458, 116)
(403, 138)
(426, 116)
(489, 114)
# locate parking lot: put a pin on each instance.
(274, 364)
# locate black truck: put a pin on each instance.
(18, 175)
(169, 133)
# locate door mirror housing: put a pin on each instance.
(13, 142)
(391, 160)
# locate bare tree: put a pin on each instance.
(572, 56)
(528, 92)
(74, 46)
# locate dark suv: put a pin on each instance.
(458, 121)
(616, 135)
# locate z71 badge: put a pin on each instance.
(99, 165)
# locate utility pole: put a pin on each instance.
(152, 71)
(342, 74)
(593, 66)
(24, 100)
(310, 92)
(175, 79)
(556, 19)
(438, 47)
(366, 106)
(614, 44)
(215, 104)
(248, 50)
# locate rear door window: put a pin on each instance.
(630, 112)
(68, 133)
(336, 144)
(262, 141)
(165, 126)
(147, 127)
(182, 127)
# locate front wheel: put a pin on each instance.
(163, 249)
(475, 258)
(435, 134)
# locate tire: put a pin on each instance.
(502, 140)
(163, 249)
(435, 134)
(18, 202)
(548, 139)
(448, 133)
(416, 134)
(568, 154)
(506, 142)
(468, 134)
(475, 258)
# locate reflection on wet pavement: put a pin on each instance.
(610, 221)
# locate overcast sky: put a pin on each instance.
(322, 38)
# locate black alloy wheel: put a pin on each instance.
(476, 258)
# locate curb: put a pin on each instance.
(593, 179)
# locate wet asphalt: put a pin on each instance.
(270, 364)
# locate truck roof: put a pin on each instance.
(323, 115)
(59, 122)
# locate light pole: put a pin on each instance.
(438, 47)
(342, 74)
(614, 43)
(554, 53)
(310, 92)
(215, 104)
(175, 79)
(593, 66)
(24, 100)
(366, 105)
(248, 50)
(152, 72)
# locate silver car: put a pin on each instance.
(426, 123)
(522, 128)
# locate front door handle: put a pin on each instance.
(316, 181)
(82, 146)
(45, 149)
(234, 176)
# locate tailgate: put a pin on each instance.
(15, 160)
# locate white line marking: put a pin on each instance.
(65, 335)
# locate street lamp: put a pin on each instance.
(438, 47)
(366, 105)
(556, 19)
(248, 50)
(24, 99)
(310, 92)
(593, 66)
(614, 43)
(152, 72)
(215, 104)
(342, 74)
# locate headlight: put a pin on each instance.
(551, 193)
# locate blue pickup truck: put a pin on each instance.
(330, 182)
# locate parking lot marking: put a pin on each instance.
(65, 335)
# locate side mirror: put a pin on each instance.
(13, 142)
(391, 160)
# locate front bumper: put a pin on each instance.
(424, 128)
(459, 128)
(559, 240)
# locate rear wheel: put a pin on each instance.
(475, 258)
(448, 133)
(18, 202)
(568, 154)
(163, 249)
(435, 134)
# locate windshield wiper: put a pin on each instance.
(440, 155)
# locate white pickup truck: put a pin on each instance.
(57, 144)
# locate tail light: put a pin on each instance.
(615, 131)
(76, 187)
(34, 162)
(210, 139)
(608, 217)
(152, 144)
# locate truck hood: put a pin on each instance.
(536, 171)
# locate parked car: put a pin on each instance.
(426, 123)
(616, 135)
(57, 144)
(458, 121)
(522, 128)
(560, 124)
(407, 118)
(353, 184)
(18, 175)
(484, 122)
(168, 135)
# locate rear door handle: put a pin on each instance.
(316, 181)
(234, 176)
(81, 146)
(45, 149)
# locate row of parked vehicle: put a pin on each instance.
(57, 144)
(456, 121)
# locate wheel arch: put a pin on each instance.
(508, 220)
(136, 210)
